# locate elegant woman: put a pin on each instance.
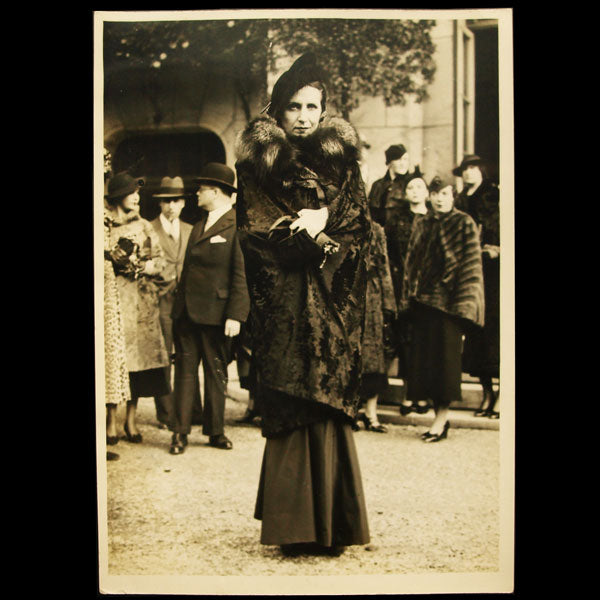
(443, 290)
(397, 231)
(480, 199)
(115, 366)
(381, 310)
(137, 257)
(304, 230)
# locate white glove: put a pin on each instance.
(313, 220)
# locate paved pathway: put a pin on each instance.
(432, 508)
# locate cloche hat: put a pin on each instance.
(394, 152)
(469, 159)
(305, 70)
(123, 184)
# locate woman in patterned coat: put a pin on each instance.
(138, 262)
(443, 292)
(307, 315)
(115, 366)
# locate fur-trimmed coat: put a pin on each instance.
(443, 266)
(309, 321)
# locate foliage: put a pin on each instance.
(388, 58)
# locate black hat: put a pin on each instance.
(416, 174)
(469, 159)
(218, 174)
(171, 188)
(123, 184)
(394, 152)
(305, 70)
(439, 183)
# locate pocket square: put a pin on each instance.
(217, 239)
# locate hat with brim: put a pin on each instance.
(468, 160)
(170, 187)
(217, 174)
(123, 184)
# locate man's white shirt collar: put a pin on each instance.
(215, 215)
(171, 227)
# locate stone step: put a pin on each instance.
(458, 418)
(471, 393)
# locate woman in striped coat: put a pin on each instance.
(443, 294)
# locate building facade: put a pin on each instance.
(170, 121)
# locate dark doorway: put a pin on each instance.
(487, 131)
(155, 155)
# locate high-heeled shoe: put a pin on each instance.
(112, 440)
(373, 426)
(134, 439)
(436, 437)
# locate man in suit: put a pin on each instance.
(211, 302)
(173, 235)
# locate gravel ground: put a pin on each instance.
(432, 508)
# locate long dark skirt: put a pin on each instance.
(149, 383)
(310, 488)
(435, 357)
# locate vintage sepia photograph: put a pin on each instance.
(304, 301)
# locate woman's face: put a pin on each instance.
(400, 165)
(472, 174)
(302, 115)
(416, 191)
(131, 202)
(443, 200)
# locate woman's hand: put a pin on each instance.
(313, 220)
(119, 256)
(150, 268)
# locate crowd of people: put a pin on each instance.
(316, 289)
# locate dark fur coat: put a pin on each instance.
(307, 322)
(443, 266)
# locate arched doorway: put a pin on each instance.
(157, 154)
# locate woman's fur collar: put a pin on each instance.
(264, 146)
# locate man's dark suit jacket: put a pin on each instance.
(213, 281)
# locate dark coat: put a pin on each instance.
(308, 321)
(213, 281)
(398, 227)
(385, 194)
(482, 348)
(443, 266)
(380, 299)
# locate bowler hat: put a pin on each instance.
(469, 159)
(123, 184)
(218, 174)
(170, 187)
(394, 152)
(305, 70)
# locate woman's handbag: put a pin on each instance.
(297, 248)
